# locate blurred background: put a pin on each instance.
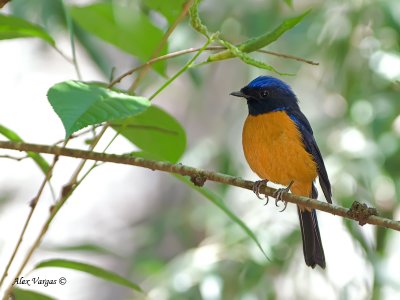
(165, 236)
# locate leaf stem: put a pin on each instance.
(183, 69)
(164, 40)
(191, 50)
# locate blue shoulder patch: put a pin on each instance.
(296, 121)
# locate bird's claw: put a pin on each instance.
(256, 189)
(279, 194)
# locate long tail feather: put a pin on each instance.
(312, 244)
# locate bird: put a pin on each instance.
(279, 146)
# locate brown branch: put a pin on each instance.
(14, 157)
(363, 215)
(288, 56)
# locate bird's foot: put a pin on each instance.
(256, 189)
(279, 193)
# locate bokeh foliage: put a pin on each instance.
(355, 117)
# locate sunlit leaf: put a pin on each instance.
(158, 134)
(90, 269)
(21, 294)
(125, 27)
(12, 27)
(80, 104)
(37, 158)
(215, 199)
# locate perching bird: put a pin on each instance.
(279, 146)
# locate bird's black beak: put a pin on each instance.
(238, 94)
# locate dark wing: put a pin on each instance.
(311, 146)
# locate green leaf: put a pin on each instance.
(92, 248)
(80, 104)
(262, 40)
(156, 132)
(215, 199)
(20, 294)
(169, 9)
(126, 27)
(90, 269)
(37, 158)
(12, 27)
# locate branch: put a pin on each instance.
(14, 157)
(33, 205)
(67, 190)
(357, 212)
(191, 50)
(164, 40)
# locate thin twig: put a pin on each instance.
(70, 26)
(63, 55)
(288, 56)
(164, 40)
(183, 69)
(191, 50)
(66, 192)
(208, 175)
(14, 157)
(80, 133)
(33, 205)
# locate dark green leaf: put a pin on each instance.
(156, 132)
(12, 27)
(38, 159)
(80, 104)
(218, 202)
(90, 269)
(126, 27)
(20, 294)
(170, 9)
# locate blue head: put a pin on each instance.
(267, 94)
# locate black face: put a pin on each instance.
(267, 94)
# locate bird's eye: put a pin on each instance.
(264, 93)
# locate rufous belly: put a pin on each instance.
(274, 149)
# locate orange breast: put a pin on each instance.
(274, 149)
